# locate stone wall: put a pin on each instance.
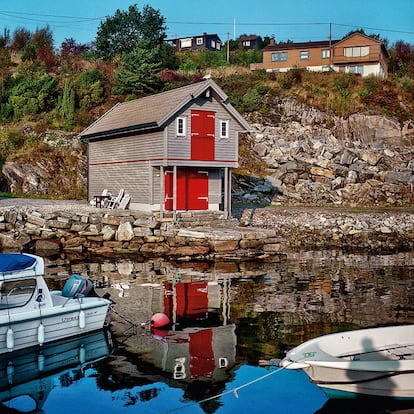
(94, 231)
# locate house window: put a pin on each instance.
(326, 53)
(356, 69)
(224, 129)
(199, 41)
(304, 55)
(181, 127)
(279, 57)
(185, 43)
(356, 51)
(213, 44)
(246, 43)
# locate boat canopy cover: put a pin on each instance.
(15, 261)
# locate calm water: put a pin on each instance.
(230, 321)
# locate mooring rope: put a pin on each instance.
(232, 391)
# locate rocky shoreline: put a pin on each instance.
(327, 228)
(260, 234)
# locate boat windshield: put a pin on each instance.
(15, 293)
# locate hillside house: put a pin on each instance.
(170, 151)
(194, 43)
(356, 53)
(250, 42)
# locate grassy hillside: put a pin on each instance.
(74, 94)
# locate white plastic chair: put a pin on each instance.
(114, 201)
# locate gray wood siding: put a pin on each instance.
(132, 177)
(226, 149)
(214, 186)
(133, 148)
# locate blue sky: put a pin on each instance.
(297, 20)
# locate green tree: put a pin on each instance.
(5, 70)
(139, 70)
(90, 89)
(118, 34)
(32, 95)
(67, 105)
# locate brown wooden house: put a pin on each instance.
(170, 151)
(356, 53)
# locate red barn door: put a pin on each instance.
(202, 135)
(192, 189)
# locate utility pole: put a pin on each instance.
(330, 46)
(228, 47)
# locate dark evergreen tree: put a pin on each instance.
(139, 70)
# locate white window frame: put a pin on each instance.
(199, 41)
(224, 123)
(356, 51)
(181, 126)
(304, 55)
(279, 57)
(326, 53)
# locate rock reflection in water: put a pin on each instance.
(228, 314)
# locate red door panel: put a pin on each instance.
(197, 190)
(168, 190)
(202, 135)
(192, 189)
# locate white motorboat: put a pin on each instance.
(376, 361)
(31, 314)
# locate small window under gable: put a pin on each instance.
(181, 126)
(224, 129)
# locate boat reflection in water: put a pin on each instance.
(28, 376)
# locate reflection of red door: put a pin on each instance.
(201, 354)
(191, 300)
(202, 135)
(192, 189)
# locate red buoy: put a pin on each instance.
(159, 320)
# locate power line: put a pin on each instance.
(18, 14)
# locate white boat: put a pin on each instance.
(32, 315)
(375, 362)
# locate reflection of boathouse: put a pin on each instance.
(199, 344)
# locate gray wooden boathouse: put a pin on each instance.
(171, 151)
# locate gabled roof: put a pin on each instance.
(195, 36)
(249, 37)
(372, 39)
(152, 112)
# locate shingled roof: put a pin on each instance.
(152, 112)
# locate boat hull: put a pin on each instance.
(372, 362)
(348, 383)
(28, 329)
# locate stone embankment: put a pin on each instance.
(81, 229)
(313, 228)
(260, 234)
